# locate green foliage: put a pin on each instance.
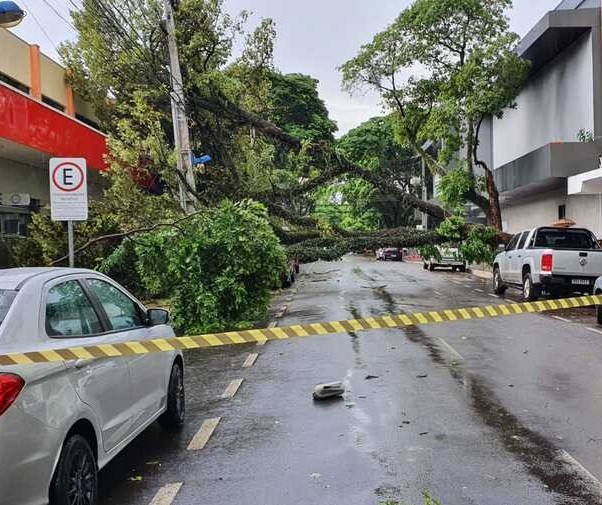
(476, 244)
(297, 108)
(218, 266)
(453, 187)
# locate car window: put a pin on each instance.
(122, 311)
(6, 299)
(558, 238)
(69, 312)
(523, 239)
(513, 242)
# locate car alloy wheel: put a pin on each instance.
(81, 481)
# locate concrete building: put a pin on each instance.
(40, 118)
(542, 171)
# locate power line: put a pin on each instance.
(40, 26)
(59, 14)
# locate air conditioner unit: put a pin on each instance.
(15, 199)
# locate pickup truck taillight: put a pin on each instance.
(10, 387)
(547, 262)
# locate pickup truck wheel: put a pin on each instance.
(462, 268)
(530, 291)
(498, 285)
(424, 266)
(431, 266)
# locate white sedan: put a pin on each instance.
(61, 422)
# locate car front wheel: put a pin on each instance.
(75, 480)
(498, 285)
(174, 415)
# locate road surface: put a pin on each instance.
(495, 411)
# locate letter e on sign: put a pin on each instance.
(68, 189)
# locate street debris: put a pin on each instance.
(371, 377)
(315, 476)
(422, 376)
(329, 390)
(137, 478)
(424, 433)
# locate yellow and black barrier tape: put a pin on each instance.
(282, 333)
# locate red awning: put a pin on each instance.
(28, 122)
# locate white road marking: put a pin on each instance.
(438, 294)
(479, 290)
(594, 330)
(167, 494)
(585, 474)
(232, 388)
(250, 361)
(204, 434)
(450, 349)
(494, 296)
(563, 319)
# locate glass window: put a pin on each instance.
(523, 239)
(6, 299)
(559, 238)
(69, 312)
(122, 311)
(513, 242)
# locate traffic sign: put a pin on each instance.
(68, 189)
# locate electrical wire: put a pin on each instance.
(59, 14)
(30, 11)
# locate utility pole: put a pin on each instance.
(178, 112)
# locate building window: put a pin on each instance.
(561, 211)
(53, 103)
(14, 224)
(14, 83)
(87, 121)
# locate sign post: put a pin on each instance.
(68, 194)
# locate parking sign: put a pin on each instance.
(68, 189)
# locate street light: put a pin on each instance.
(10, 14)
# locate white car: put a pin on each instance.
(449, 258)
(61, 422)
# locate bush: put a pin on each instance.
(218, 267)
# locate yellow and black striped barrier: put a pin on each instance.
(282, 333)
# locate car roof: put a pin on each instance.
(15, 278)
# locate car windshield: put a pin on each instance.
(555, 238)
(6, 299)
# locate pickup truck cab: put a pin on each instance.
(549, 259)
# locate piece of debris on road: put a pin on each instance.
(329, 390)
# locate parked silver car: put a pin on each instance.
(61, 422)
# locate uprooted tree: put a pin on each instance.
(269, 134)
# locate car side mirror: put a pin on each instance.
(157, 317)
(501, 248)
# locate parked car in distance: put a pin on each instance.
(62, 422)
(449, 257)
(549, 259)
(389, 253)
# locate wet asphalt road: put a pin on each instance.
(495, 411)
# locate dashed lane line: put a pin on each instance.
(563, 319)
(494, 296)
(479, 290)
(167, 494)
(250, 361)
(204, 434)
(232, 388)
(594, 330)
(450, 349)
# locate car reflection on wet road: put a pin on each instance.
(494, 411)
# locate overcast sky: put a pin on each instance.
(314, 37)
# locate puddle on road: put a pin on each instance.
(541, 457)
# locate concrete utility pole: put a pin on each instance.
(178, 112)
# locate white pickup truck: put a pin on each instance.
(549, 259)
